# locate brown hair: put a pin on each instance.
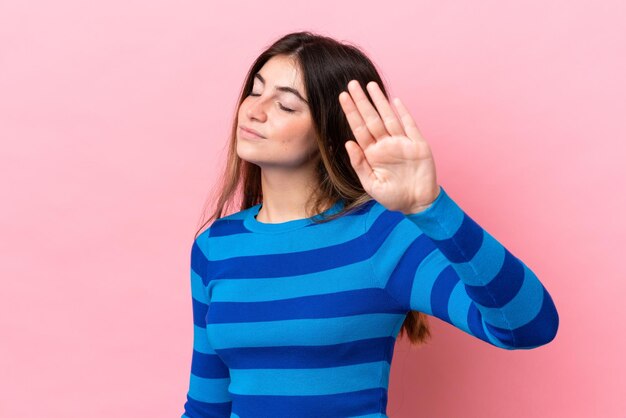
(326, 66)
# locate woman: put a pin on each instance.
(343, 241)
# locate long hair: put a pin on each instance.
(326, 66)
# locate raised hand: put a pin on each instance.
(391, 158)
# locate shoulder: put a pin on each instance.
(220, 227)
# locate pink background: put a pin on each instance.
(114, 118)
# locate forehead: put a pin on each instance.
(282, 71)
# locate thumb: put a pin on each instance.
(359, 163)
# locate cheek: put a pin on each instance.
(303, 142)
(242, 107)
(291, 127)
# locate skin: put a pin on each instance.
(289, 153)
(391, 158)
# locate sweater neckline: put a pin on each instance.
(253, 224)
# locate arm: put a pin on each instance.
(453, 269)
(208, 395)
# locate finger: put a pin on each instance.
(407, 121)
(360, 164)
(369, 114)
(389, 118)
(363, 136)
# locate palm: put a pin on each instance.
(393, 161)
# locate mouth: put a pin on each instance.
(250, 132)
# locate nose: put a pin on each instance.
(256, 108)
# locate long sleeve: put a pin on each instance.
(453, 269)
(208, 395)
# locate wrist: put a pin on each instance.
(422, 207)
(417, 209)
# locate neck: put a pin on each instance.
(286, 196)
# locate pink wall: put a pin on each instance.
(113, 119)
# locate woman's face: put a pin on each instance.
(281, 117)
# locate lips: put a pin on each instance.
(251, 130)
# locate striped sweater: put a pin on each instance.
(298, 319)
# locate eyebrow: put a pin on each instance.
(283, 88)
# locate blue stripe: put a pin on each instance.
(404, 274)
(225, 227)
(314, 356)
(209, 390)
(440, 296)
(474, 321)
(310, 381)
(255, 289)
(342, 404)
(291, 264)
(540, 331)
(465, 242)
(200, 340)
(318, 331)
(330, 305)
(521, 309)
(503, 287)
(458, 307)
(198, 261)
(208, 366)
(195, 408)
(484, 265)
(199, 313)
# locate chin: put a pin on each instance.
(248, 155)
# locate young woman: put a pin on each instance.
(343, 240)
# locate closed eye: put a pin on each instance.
(281, 106)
